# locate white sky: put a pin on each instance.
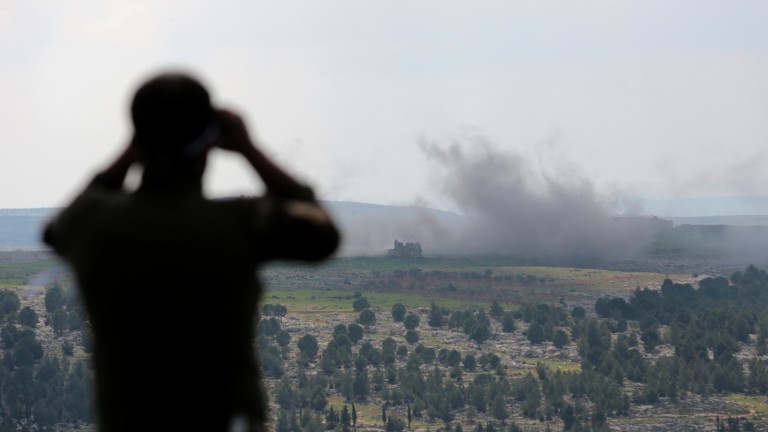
(655, 98)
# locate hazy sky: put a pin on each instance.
(651, 98)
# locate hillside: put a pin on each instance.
(20, 228)
(481, 340)
(368, 229)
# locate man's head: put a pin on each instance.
(171, 113)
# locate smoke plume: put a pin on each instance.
(514, 209)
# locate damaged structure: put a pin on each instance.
(405, 250)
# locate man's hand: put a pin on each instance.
(114, 175)
(233, 135)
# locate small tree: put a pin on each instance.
(388, 346)
(308, 346)
(411, 321)
(411, 336)
(499, 408)
(535, 333)
(284, 393)
(569, 417)
(361, 363)
(59, 321)
(355, 332)
(496, 309)
(409, 416)
(384, 413)
(398, 312)
(394, 424)
(480, 333)
(402, 351)
(507, 322)
(68, 349)
(360, 304)
(345, 419)
(283, 423)
(360, 385)
(454, 358)
(340, 329)
(28, 317)
(54, 298)
(367, 317)
(283, 338)
(428, 355)
(331, 419)
(435, 318)
(560, 338)
(470, 363)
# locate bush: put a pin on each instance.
(535, 333)
(411, 321)
(360, 304)
(398, 312)
(411, 336)
(367, 317)
(308, 346)
(395, 424)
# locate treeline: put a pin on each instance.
(705, 326)
(38, 390)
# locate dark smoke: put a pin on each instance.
(513, 209)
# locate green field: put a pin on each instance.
(756, 405)
(309, 302)
(20, 268)
(455, 282)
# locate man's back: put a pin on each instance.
(168, 278)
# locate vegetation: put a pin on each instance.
(38, 387)
(449, 345)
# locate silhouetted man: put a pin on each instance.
(168, 277)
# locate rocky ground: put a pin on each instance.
(691, 413)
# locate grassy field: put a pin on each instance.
(308, 302)
(20, 268)
(545, 275)
(554, 365)
(453, 282)
(316, 293)
(757, 405)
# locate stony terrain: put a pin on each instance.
(332, 287)
(690, 413)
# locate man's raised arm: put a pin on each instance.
(302, 229)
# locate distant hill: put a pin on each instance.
(20, 228)
(707, 207)
(368, 229)
(741, 221)
(371, 229)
